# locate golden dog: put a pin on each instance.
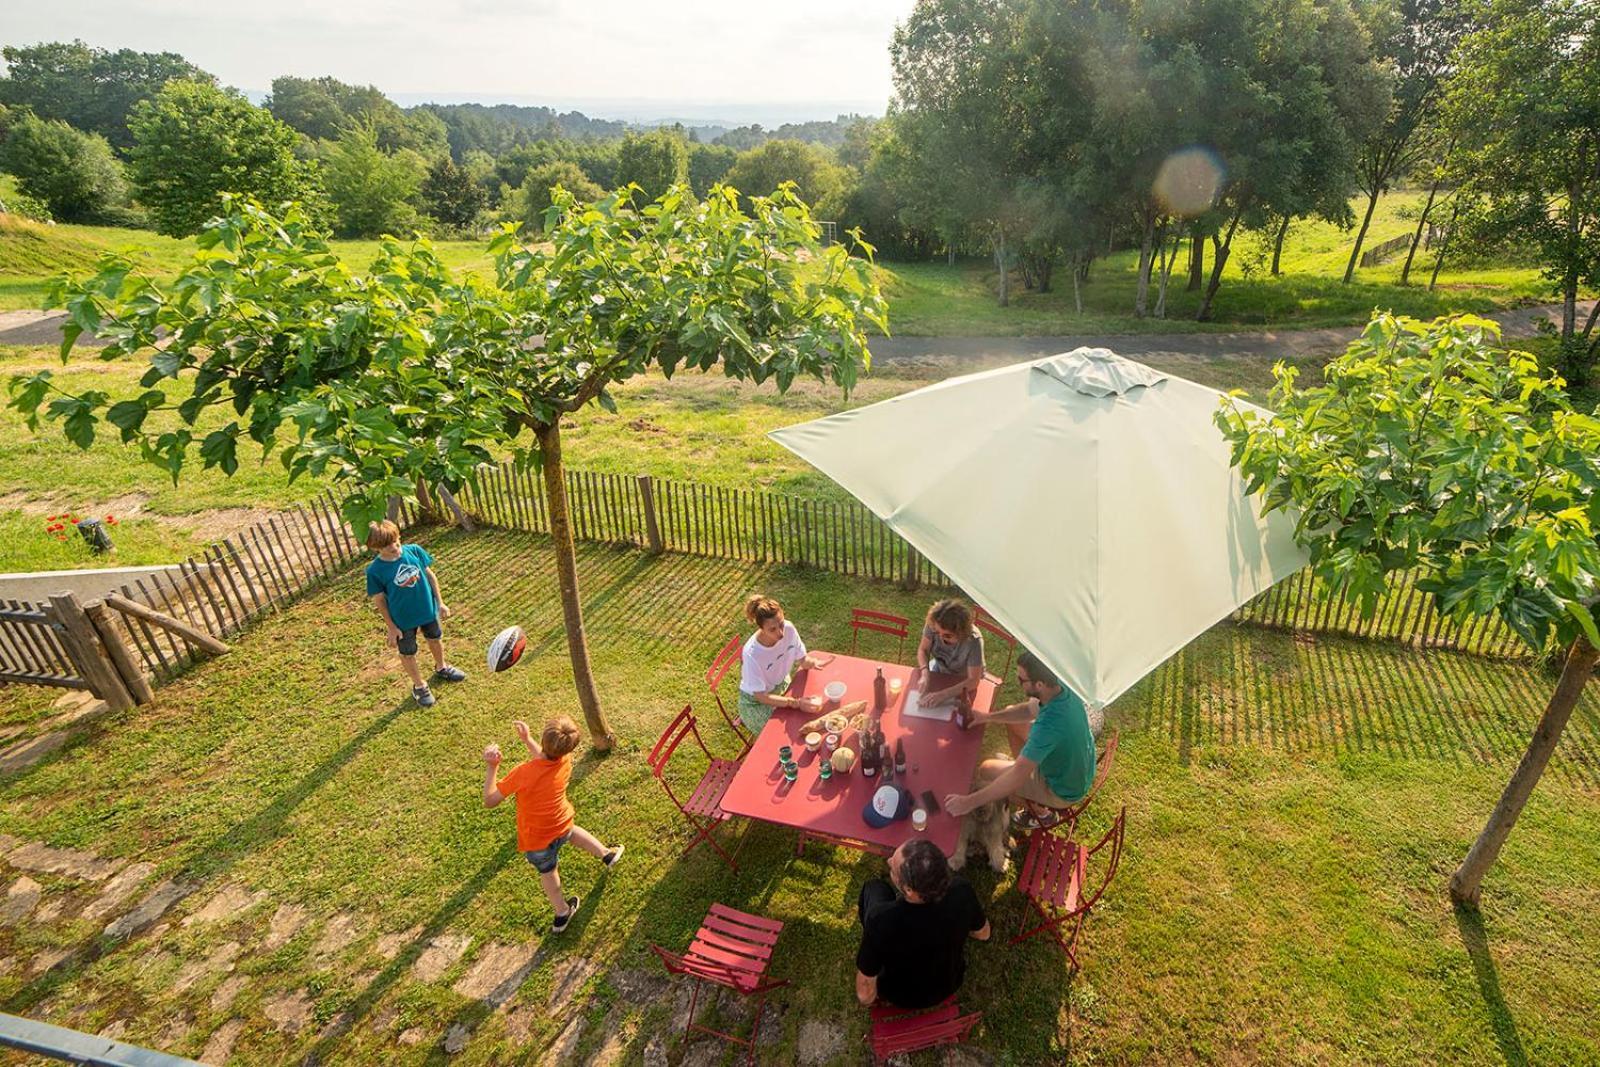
(987, 827)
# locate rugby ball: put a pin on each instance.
(506, 648)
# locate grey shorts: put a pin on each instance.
(544, 859)
(407, 644)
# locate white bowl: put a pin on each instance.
(834, 691)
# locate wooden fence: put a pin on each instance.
(845, 538)
(1384, 250)
(155, 626)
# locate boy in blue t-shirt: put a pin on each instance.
(405, 592)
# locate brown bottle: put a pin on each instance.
(869, 754)
(900, 756)
(963, 710)
(880, 692)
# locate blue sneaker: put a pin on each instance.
(447, 673)
(424, 696)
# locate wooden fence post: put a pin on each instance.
(128, 668)
(910, 581)
(652, 528)
(82, 643)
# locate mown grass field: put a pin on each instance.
(1294, 809)
(933, 299)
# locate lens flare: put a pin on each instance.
(1189, 180)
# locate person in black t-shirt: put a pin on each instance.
(914, 932)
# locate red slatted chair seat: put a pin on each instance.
(1053, 870)
(732, 949)
(895, 1030)
(706, 800)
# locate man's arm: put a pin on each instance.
(438, 597)
(1026, 711)
(1009, 781)
(380, 604)
(866, 989)
(491, 761)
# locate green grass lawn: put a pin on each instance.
(940, 300)
(1294, 809)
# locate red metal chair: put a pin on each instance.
(703, 809)
(895, 1031)
(732, 949)
(996, 635)
(1069, 815)
(879, 622)
(1054, 881)
(730, 654)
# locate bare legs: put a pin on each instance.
(551, 882)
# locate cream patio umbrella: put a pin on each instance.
(1084, 500)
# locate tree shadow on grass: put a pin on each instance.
(1243, 685)
(1473, 937)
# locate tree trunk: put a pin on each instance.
(1361, 234)
(1077, 286)
(425, 498)
(950, 255)
(1444, 245)
(1169, 258)
(1220, 252)
(1047, 267)
(1467, 882)
(1197, 259)
(1416, 238)
(1569, 290)
(555, 489)
(1000, 267)
(1141, 294)
(1277, 246)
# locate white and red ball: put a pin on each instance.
(506, 648)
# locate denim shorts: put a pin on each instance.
(544, 859)
(407, 644)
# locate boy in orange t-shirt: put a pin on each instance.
(545, 818)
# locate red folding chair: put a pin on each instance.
(732, 949)
(703, 809)
(879, 622)
(895, 1031)
(730, 654)
(1069, 815)
(996, 635)
(1054, 881)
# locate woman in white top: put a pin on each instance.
(771, 656)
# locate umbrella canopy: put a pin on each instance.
(1085, 500)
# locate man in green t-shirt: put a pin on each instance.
(1055, 764)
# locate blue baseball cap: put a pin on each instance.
(888, 804)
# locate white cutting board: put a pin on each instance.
(913, 708)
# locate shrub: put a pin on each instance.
(74, 173)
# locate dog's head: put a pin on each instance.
(986, 815)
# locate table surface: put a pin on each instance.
(939, 756)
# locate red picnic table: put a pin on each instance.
(940, 756)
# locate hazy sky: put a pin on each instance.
(808, 57)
